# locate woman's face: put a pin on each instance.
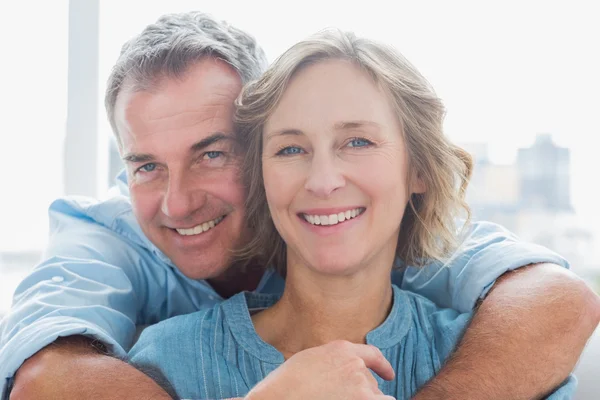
(335, 169)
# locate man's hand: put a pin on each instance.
(524, 340)
(72, 368)
(337, 370)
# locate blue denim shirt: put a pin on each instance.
(101, 277)
(217, 354)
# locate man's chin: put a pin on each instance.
(207, 269)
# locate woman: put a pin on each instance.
(348, 174)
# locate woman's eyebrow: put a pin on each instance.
(283, 132)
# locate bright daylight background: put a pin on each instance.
(513, 75)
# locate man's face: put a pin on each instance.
(177, 141)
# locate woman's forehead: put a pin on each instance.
(331, 92)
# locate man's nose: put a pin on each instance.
(181, 198)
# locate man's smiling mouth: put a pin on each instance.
(201, 228)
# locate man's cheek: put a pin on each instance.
(145, 205)
(232, 184)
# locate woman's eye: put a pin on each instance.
(359, 142)
(290, 151)
(212, 154)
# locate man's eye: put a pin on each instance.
(359, 142)
(212, 154)
(147, 167)
(290, 151)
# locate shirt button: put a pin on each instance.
(57, 279)
(211, 297)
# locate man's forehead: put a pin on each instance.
(183, 106)
(174, 103)
(206, 76)
(208, 82)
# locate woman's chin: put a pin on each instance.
(336, 266)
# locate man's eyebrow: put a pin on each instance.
(212, 139)
(204, 143)
(138, 157)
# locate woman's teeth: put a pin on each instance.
(203, 227)
(333, 219)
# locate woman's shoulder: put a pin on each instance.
(422, 306)
(171, 335)
(442, 326)
(170, 351)
(191, 333)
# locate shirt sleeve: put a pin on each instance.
(565, 391)
(438, 332)
(487, 252)
(87, 284)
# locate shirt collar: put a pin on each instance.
(237, 311)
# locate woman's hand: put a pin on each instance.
(337, 370)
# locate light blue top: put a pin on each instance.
(217, 354)
(101, 277)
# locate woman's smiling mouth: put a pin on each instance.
(332, 219)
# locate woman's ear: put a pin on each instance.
(418, 186)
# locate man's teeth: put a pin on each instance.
(203, 227)
(333, 219)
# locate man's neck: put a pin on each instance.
(237, 279)
(316, 310)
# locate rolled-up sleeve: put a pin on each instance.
(487, 252)
(87, 284)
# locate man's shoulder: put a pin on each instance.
(105, 231)
(104, 212)
(113, 216)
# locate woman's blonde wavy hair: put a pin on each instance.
(428, 229)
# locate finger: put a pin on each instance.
(375, 361)
(372, 381)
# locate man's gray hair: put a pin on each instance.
(170, 46)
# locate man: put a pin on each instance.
(162, 247)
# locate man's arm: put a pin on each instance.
(75, 367)
(524, 340)
(93, 282)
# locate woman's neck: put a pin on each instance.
(316, 309)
